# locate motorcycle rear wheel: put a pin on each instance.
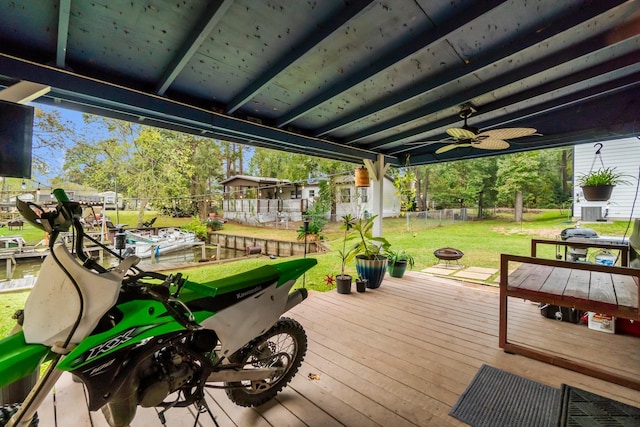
(7, 411)
(284, 345)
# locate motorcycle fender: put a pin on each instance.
(18, 359)
(238, 324)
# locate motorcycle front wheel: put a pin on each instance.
(283, 346)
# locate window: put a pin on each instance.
(345, 195)
(312, 194)
(364, 195)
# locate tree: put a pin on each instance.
(518, 172)
(404, 181)
(50, 136)
(461, 182)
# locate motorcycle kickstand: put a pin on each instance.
(201, 407)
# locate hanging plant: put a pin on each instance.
(598, 185)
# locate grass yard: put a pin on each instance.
(481, 241)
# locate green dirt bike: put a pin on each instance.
(134, 338)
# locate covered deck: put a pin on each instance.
(400, 355)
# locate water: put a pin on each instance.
(31, 267)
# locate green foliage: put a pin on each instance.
(214, 224)
(316, 215)
(404, 183)
(11, 302)
(603, 176)
(198, 228)
(348, 221)
(400, 255)
(369, 246)
(313, 229)
(447, 183)
(517, 172)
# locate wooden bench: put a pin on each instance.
(611, 290)
(16, 223)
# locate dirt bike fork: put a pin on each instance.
(36, 396)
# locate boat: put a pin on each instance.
(147, 245)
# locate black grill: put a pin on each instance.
(585, 233)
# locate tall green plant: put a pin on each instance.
(348, 221)
(369, 246)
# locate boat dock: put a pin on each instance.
(14, 285)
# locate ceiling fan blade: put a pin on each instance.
(491, 144)
(461, 134)
(422, 142)
(507, 133)
(450, 147)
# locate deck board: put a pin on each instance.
(399, 355)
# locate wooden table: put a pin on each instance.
(598, 288)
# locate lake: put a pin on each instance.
(31, 267)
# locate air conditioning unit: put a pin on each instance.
(591, 213)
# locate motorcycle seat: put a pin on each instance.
(266, 274)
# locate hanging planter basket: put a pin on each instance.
(362, 177)
(597, 193)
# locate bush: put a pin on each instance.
(213, 224)
(199, 229)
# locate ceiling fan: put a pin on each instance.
(469, 136)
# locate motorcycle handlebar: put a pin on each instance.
(60, 195)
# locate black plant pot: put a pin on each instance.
(597, 193)
(361, 285)
(343, 284)
(371, 269)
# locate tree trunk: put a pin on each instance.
(518, 206)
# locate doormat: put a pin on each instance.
(498, 398)
(581, 408)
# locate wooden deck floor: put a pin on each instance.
(400, 355)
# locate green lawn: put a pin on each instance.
(481, 241)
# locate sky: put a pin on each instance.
(56, 162)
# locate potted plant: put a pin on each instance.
(398, 261)
(343, 281)
(361, 284)
(371, 263)
(598, 185)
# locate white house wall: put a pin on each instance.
(390, 201)
(624, 155)
(264, 211)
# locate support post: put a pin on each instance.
(377, 171)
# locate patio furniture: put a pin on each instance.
(595, 288)
(149, 224)
(15, 223)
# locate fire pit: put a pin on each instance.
(448, 254)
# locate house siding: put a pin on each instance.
(624, 155)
